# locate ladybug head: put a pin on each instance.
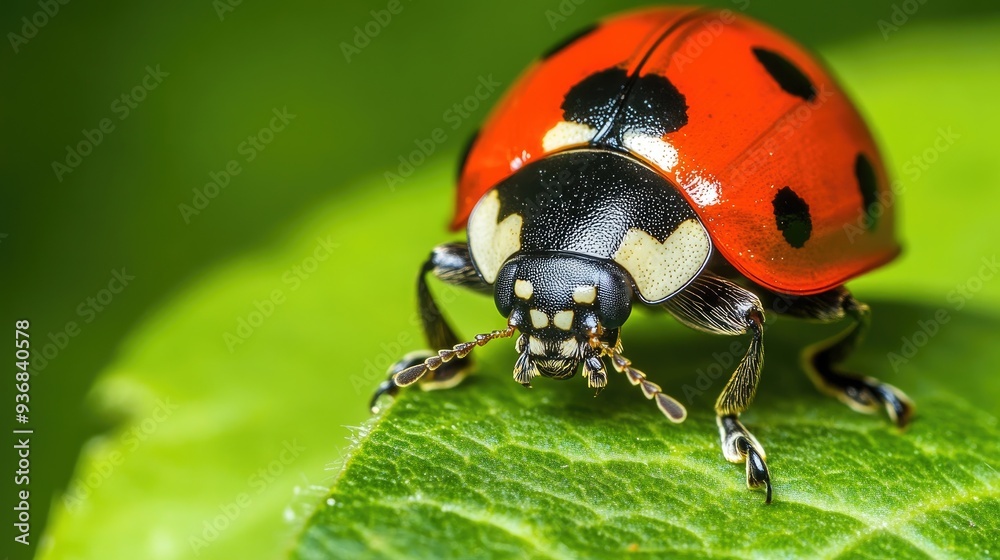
(568, 308)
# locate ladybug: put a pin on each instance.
(689, 159)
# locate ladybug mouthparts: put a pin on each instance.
(557, 359)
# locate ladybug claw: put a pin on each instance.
(897, 404)
(757, 473)
(387, 387)
(740, 446)
(865, 394)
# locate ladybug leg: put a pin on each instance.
(716, 305)
(452, 264)
(821, 361)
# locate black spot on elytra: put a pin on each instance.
(868, 184)
(791, 214)
(465, 152)
(592, 101)
(556, 49)
(788, 76)
(649, 104)
(654, 106)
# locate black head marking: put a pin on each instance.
(788, 76)
(592, 101)
(791, 214)
(466, 151)
(868, 184)
(556, 49)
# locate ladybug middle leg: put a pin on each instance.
(452, 264)
(821, 361)
(716, 305)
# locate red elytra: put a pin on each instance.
(746, 138)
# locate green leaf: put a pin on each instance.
(490, 469)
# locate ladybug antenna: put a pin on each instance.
(669, 406)
(412, 374)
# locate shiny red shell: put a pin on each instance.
(746, 138)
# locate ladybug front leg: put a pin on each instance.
(452, 264)
(716, 305)
(821, 361)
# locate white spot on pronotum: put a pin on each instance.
(523, 289)
(659, 270)
(491, 242)
(653, 148)
(539, 320)
(563, 320)
(585, 294)
(567, 134)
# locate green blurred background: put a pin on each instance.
(207, 411)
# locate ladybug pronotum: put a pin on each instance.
(632, 165)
